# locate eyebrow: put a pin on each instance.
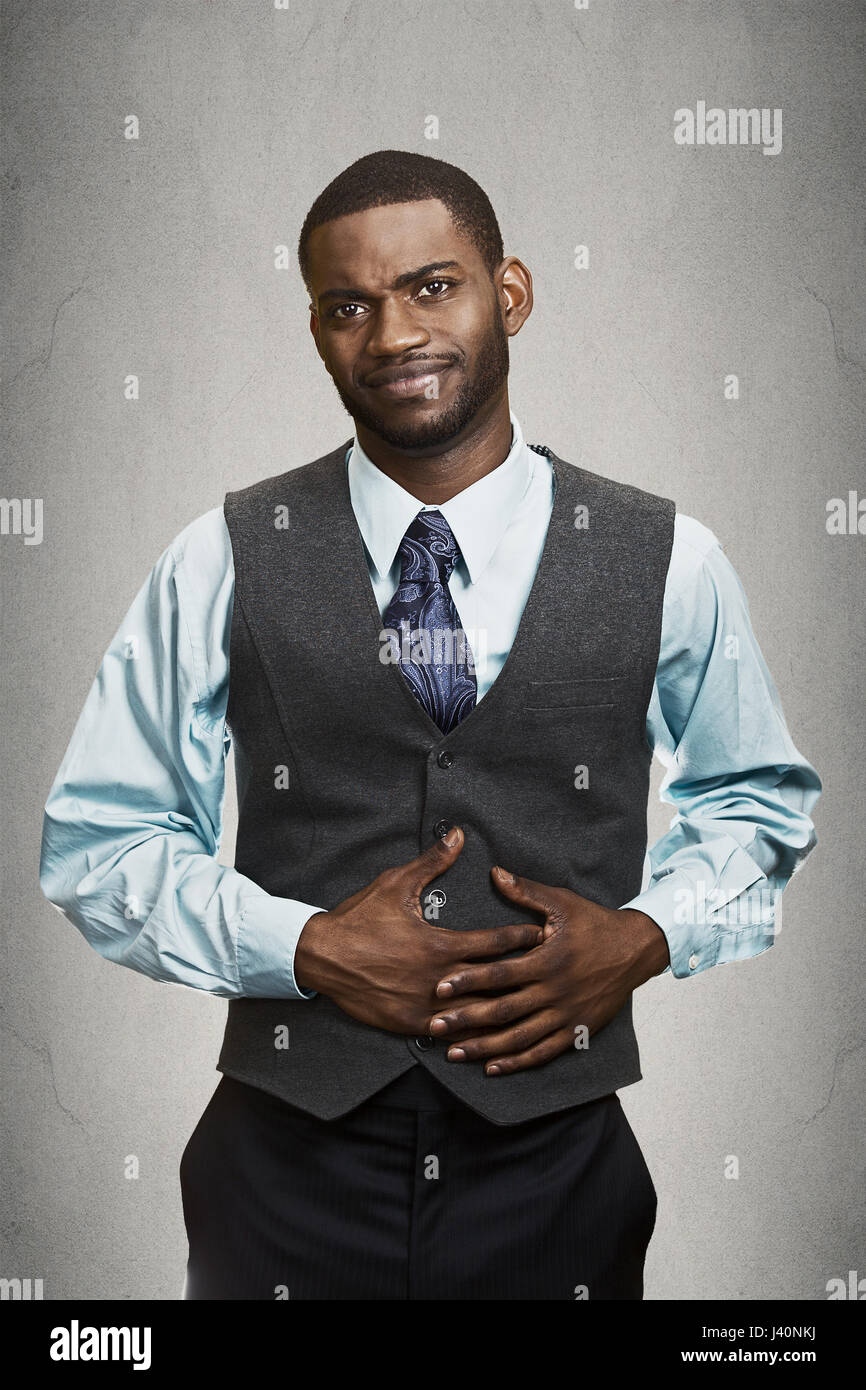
(400, 283)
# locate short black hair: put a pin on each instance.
(401, 176)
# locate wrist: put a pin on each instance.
(650, 955)
(310, 954)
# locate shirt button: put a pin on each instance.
(425, 1043)
(693, 962)
(445, 758)
(440, 829)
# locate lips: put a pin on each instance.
(412, 379)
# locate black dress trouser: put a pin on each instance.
(412, 1195)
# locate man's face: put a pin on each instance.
(407, 321)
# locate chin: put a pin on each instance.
(422, 433)
(413, 426)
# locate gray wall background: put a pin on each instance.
(156, 257)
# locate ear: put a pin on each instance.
(514, 284)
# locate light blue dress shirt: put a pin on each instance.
(134, 818)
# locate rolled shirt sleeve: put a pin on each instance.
(742, 792)
(134, 819)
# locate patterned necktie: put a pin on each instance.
(434, 653)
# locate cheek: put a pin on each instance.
(479, 346)
(462, 327)
(339, 362)
(470, 331)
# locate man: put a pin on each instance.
(444, 658)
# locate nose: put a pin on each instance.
(396, 329)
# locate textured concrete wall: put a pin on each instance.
(155, 256)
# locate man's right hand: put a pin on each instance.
(379, 959)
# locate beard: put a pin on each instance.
(435, 429)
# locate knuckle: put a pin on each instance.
(497, 976)
(502, 1010)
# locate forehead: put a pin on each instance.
(374, 247)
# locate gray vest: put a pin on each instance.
(368, 787)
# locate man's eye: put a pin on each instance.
(335, 313)
(444, 284)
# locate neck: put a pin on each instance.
(437, 474)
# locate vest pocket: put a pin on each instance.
(599, 692)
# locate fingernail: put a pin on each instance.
(503, 873)
(493, 1071)
(452, 837)
(444, 988)
(442, 1025)
(456, 1054)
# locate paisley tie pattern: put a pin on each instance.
(434, 652)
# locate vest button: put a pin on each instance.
(425, 1043)
(440, 829)
(445, 758)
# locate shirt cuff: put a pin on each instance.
(267, 938)
(704, 928)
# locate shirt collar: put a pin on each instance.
(478, 516)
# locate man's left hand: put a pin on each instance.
(590, 960)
